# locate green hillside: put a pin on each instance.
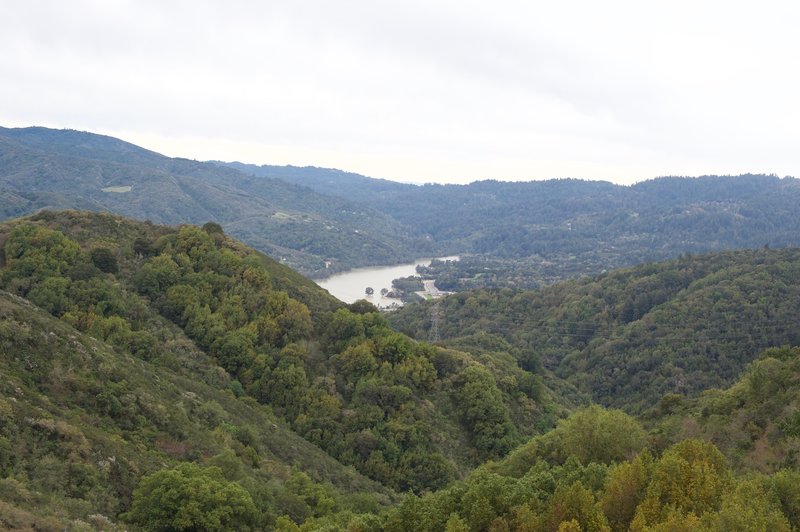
(724, 461)
(650, 220)
(83, 421)
(163, 378)
(175, 342)
(599, 470)
(328, 181)
(64, 169)
(755, 422)
(629, 337)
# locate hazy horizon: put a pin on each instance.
(418, 183)
(419, 92)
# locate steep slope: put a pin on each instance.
(83, 421)
(628, 337)
(43, 168)
(404, 413)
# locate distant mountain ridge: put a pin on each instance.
(58, 169)
(329, 181)
(570, 221)
(320, 220)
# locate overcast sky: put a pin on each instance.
(420, 91)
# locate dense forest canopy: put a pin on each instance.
(628, 337)
(140, 359)
(172, 378)
(193, 302)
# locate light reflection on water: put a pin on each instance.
(350, 286)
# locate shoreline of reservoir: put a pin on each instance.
(350, 286)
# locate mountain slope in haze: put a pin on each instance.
(529, 233)
(328, 181)
(57, 169)
(516, 219)
(628, 337)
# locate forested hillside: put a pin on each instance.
(61, 169)
(755, 422)
(139, 360)
(629, 337)
(584, 220)
(160, 330)
(328, 181)
(724, 461)
(84, 421)
(530, 234)
(597, 472)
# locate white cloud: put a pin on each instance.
(419, 91)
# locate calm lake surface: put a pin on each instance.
(349, 286)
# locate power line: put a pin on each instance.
(583, 331)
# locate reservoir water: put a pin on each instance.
(350, 286)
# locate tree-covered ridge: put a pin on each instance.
(566, 220)
(407, 414)
(755, 422)
(599, 471)
(530, 234)
(628, 337)
(63, 169)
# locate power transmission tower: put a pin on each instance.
(436, 315)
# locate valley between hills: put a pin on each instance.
(613, 358)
